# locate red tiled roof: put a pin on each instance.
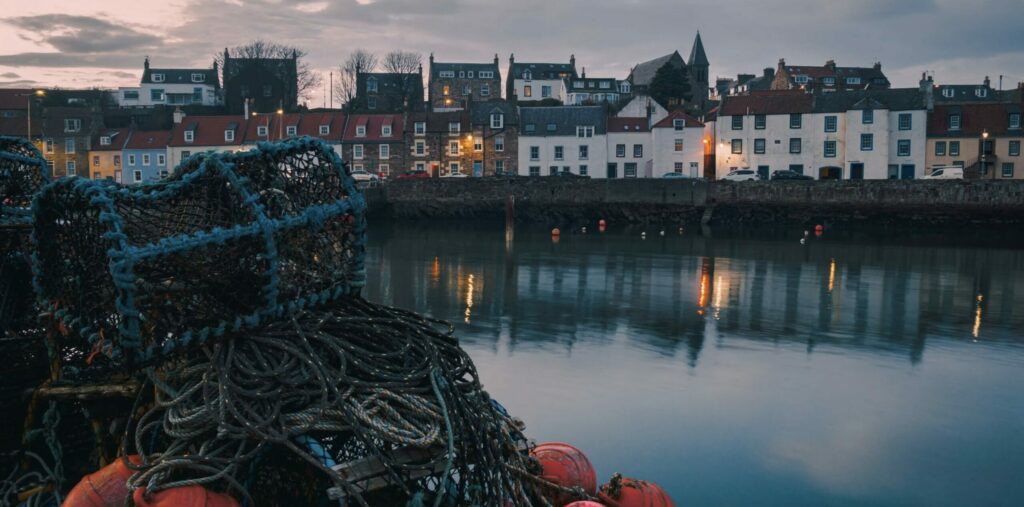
(974, 118)
(306, 124)
(209, 130)
(373, 123)
(676, 115)
(148, 140)
(768, 102)
(118, 137)
(628, 124)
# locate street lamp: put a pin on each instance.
(36, 93)
(280, 120)
(984, 141)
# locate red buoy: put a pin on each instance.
(819, 228)
(585, 503)
(566, 466)
(106, 487)
(185, 496)
(556, 232)
(625, 492)
(601, 223)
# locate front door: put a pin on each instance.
(762, 171)
(856, 171)
(478, 168)
(907, 172)
(830, 173)
(613, 170)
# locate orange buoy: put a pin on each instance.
(106, 487)
(185, 496)
(556, 232)
(601, 223)
(625, 492)
(566, 466)
(584, 503)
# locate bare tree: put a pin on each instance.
(360, 60)
(402, 62)
(307, 80)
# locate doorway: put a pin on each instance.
(613, 170)
(830, 173)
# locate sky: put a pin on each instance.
(82, 43)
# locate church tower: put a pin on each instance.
(698, 67)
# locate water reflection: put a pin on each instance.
(844, 294)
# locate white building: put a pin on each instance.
(643, 106)
(534, 82)
(871, 134)
(629, 148)
(173, 87)
(678, 146)
(569, 139)
(585, 90)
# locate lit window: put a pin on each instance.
(453, 148)
(527, 91)
(678, 145)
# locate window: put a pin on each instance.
(678, 125)
(583, 170)
(585, 131)
(620, 150)
(867, 116)
(385, 151)
(197, 95)
(420, 166)
(552, 127)
(131, 159)
(797, 168)
(801, 79)
(95, 160)
(69, 145)
(261, 130)
(530, 127)
(158, 77)
(137, 176)
(940, 148)
(584, 152)
(499, 143)
(146, 159)
(190, 136)
(830, 149)
(629, 169)
(229, 135)
(954, 148)
(485, 74)
(853, 80)
(638, 151)
(198, 77)
(905, 121)
(447, 73)
(759, 146)
(903, 148)
(497, 121)
(49, 145)
(677, 167)
(186, 154)
(357, 151)
(527, 75)
(96, 176)
(553, 170)
(737, 122)
(72, 125)
(385, 169)
(499, 166)
(485, 90)
(131, 95)
(737, 146)
(1014, 121)
(357, 167)
(954, 122)
(478, 144)
(421, 148)
(980, 93)
(534, 152)
(795, 145)
(469, 74)
(371, 84)
(677, 145)
(385, 130)
(796, 120)
(867, 142)
(831, 123)
(559, 152)
(291, 130)
(420, 128)
(948, 93)
(105, 141)
(325, 129)
(1007, 169)
(453, 148)
(117, 160)
(161, 159)
(534, 170)
(156, 95)
(454, 128)
(829, 81)
(527, 91)
(446, 90)
(1014, 148)
(545, 91)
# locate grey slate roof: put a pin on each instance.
(437, 67)
(565, 120)
(571, 84)
(644, 72)
(697, 54)
(481, 112)
(897, 99)
(181, 76)
(541, 70)
(967, 93)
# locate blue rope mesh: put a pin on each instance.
(227, 242)
(22, 174)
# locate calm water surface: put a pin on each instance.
(739, 371)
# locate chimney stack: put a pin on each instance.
(987, 82)
(145, 64)
(246, 102)
(178, 115)
(495, 59)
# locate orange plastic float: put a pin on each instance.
(625, 492)
(185, 496)
(566, 466)
(585, 503)
(106, 487)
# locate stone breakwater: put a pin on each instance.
(555, 201)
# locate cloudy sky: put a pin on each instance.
(83, 43)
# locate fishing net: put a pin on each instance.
(383, 403)
(229, 241)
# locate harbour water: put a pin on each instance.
(742, 369)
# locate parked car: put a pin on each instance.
(413, 175)
(742, 175)
(945, 173)
(361, 176)
(674, 175)
(569, 174)
(455, 175)
(786, 174)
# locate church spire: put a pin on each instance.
(697, 54)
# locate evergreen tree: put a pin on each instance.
(671, 86)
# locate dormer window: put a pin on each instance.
(829, 81)
(624, 87)
(420, 128)
(261, 130)
(678, 124)
(577, 84)
(447, 73)
(292, 130)
(853, 80)
(801, 79)
(954, 122)
(527, 75)
(948, 93)
(229, 136)
(581, 131)
(325, 129)
(454, 128)
(198, 77)
(158, 77)
(190, 136)
(360, 130)
(980, 93)
(105, 141)
(552, 127)
(606, 84)
(469, 74)
(385, 130)
(371, 84)
(497, 121)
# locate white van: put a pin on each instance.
(952, 172)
